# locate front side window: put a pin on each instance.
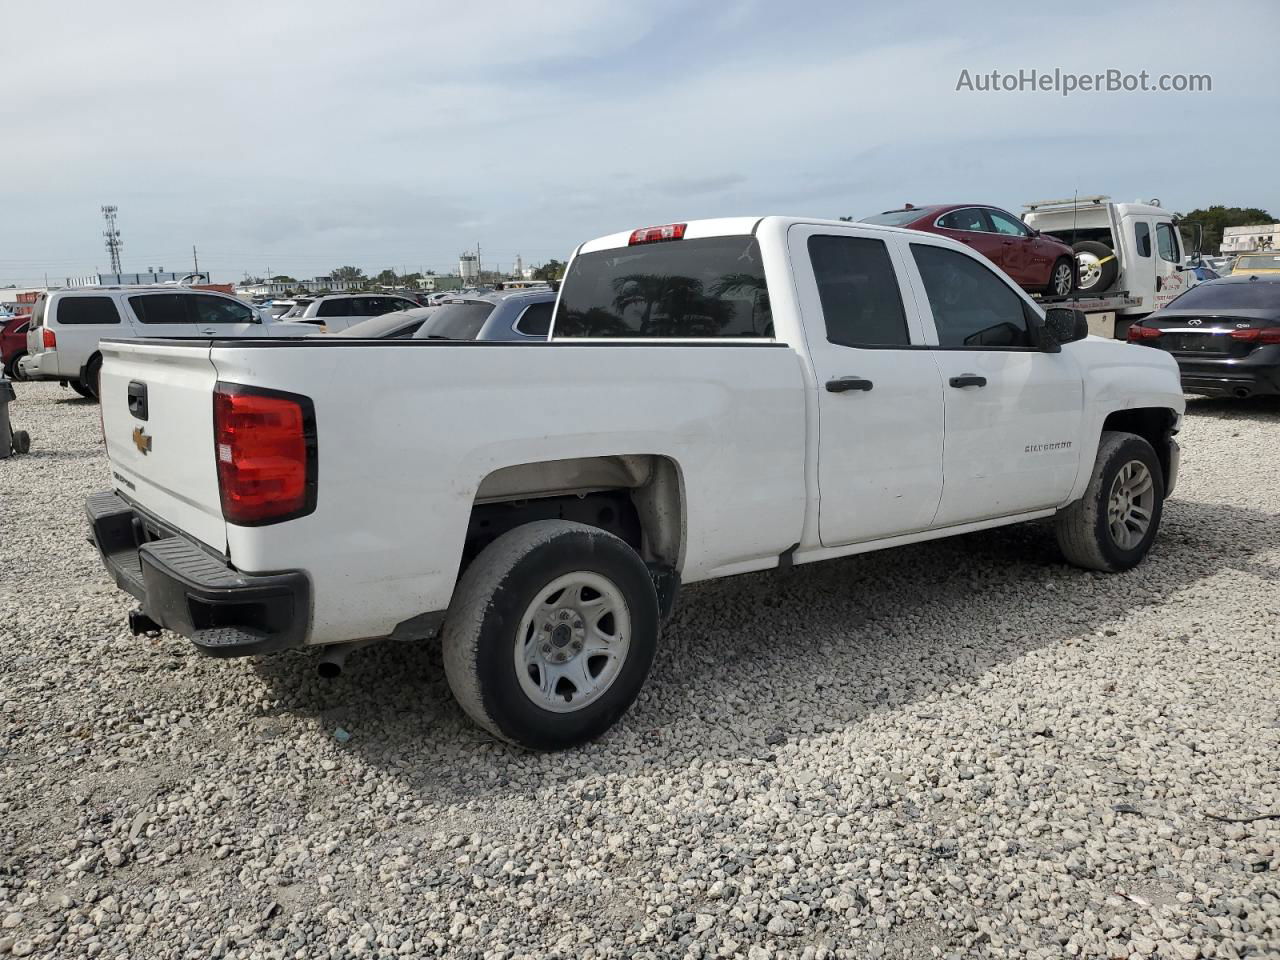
(972, 307)
(163, 308)
(536, 319)
(861, 300)
(220, 310)
(1167, 243)
(1142, 238)
(970, 219)
(1001, 222)
(711, 287)
(87, 310)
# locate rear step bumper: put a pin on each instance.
(184, 589)
(1256, 374)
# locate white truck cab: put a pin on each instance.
(1130, 256)
(716, 397)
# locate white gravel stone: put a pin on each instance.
(963, 748)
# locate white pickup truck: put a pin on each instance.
(716, 397)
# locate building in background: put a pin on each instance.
(1262, 236)
(434, 284)
(126, 279)
(469, 267)
(281, 288)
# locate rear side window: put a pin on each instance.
(713, 287)
(87, 310)
(972, 307)
(970, 219)
(1142, 238)
(337, 308)
(163, 308)
(861, 300)
(536, 319)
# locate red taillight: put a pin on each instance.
(265, 443)
(1137, 332)
(1262, 335)
(671, 231)
(49, 339)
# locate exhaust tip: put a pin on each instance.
(1242, 392)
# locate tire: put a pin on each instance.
(492, 634)
(80, 388)
(11, 368)
(1097, 267)
(90, 376)
(1062, 278)
(21, 441)
(1087, 529)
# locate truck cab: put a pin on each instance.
(1131, 256)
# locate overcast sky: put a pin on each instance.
(303, 136)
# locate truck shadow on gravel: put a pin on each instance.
(750, 662)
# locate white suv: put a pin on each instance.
(66, 325)
(335, 312)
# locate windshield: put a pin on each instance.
(894, 218)
(1269, 261)
(297, 310)
(456, 320)
(1219, 296)
(714, 287)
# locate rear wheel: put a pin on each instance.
(80, 388)
(1112, 526)
(551, 634)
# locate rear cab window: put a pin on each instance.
(708, 287)
(86, 310)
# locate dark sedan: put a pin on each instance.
(1225, 335)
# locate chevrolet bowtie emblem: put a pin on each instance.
(141, 441)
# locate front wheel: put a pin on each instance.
(1062, 278)
(551, 634)
(1112, 526)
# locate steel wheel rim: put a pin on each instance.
(1062, 279)
(572, 642)
(1131, 505)
(1090, 269)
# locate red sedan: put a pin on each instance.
(13, 342)
(1036, 261)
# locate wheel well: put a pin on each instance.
(1153, 424)
(637, 498)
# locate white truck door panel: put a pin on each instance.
(1013, 413)
(879, 396)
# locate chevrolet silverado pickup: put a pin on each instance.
(715, 397)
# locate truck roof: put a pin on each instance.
(729, 227)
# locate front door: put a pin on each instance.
(1017, 250)
(1171, 280)
(1013, 413)
(879, 400)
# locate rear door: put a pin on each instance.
(880, 409)
(970, 226)
(157, 418)
(1013, 413)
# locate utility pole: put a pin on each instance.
(114, 243)
(195, 261)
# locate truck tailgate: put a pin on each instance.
(157, 417)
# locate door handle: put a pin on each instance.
(137, 399)
(968, 380)
(845, 384)
(209, 331)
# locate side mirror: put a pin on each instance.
(1063, 325)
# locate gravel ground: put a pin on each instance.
(956, 749)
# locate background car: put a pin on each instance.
(338, 311)
(13, 343)
(1262, 262)
(1225, 335)
(1035, 261)
(400, 325)
(513, 315)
